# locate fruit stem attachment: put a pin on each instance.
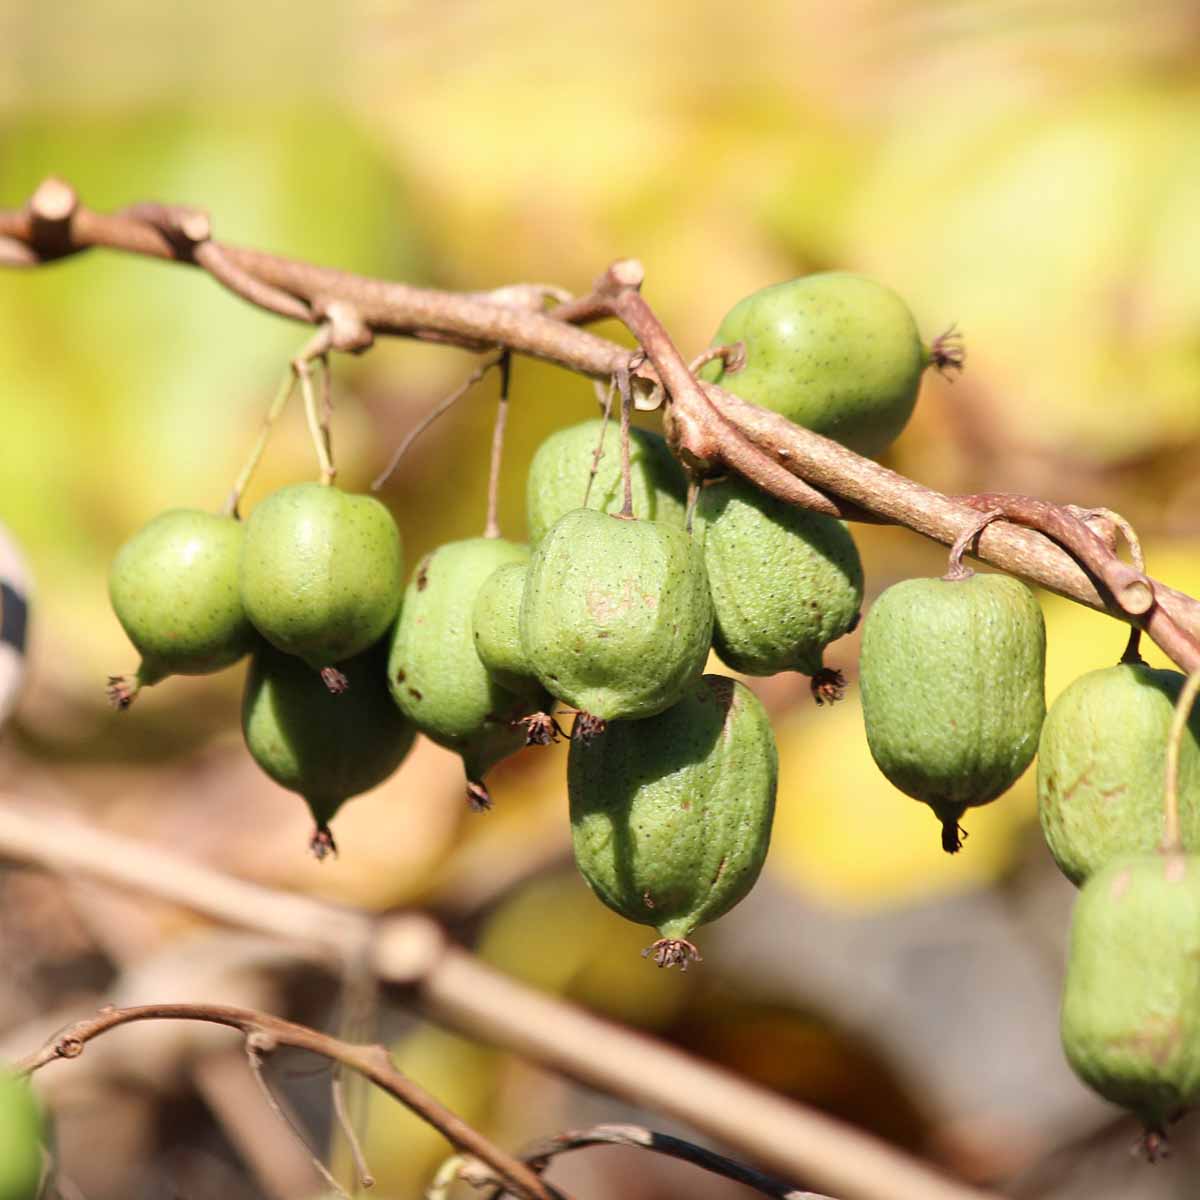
(955, 569)
(282, 395)
(598, 453)
(626, 390)
(491, 527)
(447, 403)
(1172, 842)
(318, 428)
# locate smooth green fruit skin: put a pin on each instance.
(953, 687)
(558, 477)
(434, 672)
(496, 627)
(616, 618)
(1131, 998)
(671, 816)
(20, 1140)
(837, 353)
(1100, 768)
(322, 572)
(326, 747)
(784, 582)
(174, 588)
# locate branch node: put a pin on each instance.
(348, 332)
(54, 202)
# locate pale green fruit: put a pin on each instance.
(1101, 768)
(496, 627)
(671, 816)
(1131, 999)
(434, 672)
(616, 618)
(558, 477)
(322, 572)
(326, 747)
(837, 353)
(785, 582)
(174, 588)
(953, 689)
(20, 1140)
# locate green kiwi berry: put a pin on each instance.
(953, 689)
(174, 588)
(671, 815)
(322, 573)
(20, 1140)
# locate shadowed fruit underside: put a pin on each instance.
(671, 815)
(953, 689)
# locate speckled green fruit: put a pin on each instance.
(671, 816)
(1131, 998)
(434, 672)
(616, 617)
(953, 689)
(558, 477)
(322, 572)
(174, 588)
(326, 747)
(496, 626)
(785, 582)
(20, 1139)
(837, 353)
(1100, 768)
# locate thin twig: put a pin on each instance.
(282, 395)
(626, 390)
(342, 1113)
(540, 1153)
(492, 525)
(371, 1061)
(254, 1059)
(428, 419)
(1172, 842)
(317, 348)
(598, 453)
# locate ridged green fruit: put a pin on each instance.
(20, 1140)
(1100, 768)
(322, 573)
(616, 617)
(496, 627)
(558, 477)
(837, 353)
(434, 672)
(953, 689)
(671, 816)
(326, 747)
(1131, 999)
(785, 582)
(174, 588)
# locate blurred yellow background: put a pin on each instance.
(1028, 170)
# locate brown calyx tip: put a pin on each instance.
(334, 680)
(479, 799)
(953, 835)
(122, 691)
(948, 352)
(322, 844)
(1153, 1145)
(828, 686)
(673, 952)
(540, 729)
(587, 726)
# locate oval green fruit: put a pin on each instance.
(20, 1140)
(322, 572)
(671, 816)
(326, 747)
(837, 353)
(953, 689)
(616, 618)
(785, 582)
(1131, 998)
(174, 588)
(558, 477)
(434, 672)
(1100, 768)
(496, 627)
